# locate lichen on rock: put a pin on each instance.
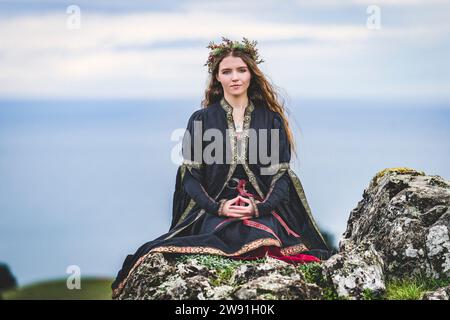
(405, 215)
(190, 279)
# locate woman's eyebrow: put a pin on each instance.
(236, 68)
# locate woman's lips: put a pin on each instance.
(236, 86)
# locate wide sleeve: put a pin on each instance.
(279, 186)
(192, 150)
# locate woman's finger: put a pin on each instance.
(234, 200)
(247, 212)
(245, 200)
(239, 208)
(234, 215)
(233, 206)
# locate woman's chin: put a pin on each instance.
(237, 93)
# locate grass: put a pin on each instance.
(313, 274)
(223, 266)
(412, 288)
(91, 289)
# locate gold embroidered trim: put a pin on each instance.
(277, 167)
(200, 213)
(206, 193)
(229, 109)
(298, 248)
(192, 202)
(301, 194)
(236, 159)
(233, 139)
(183, 171)
(209, 250)
(252, 179)
(222, 203)
(275, 178)
(193, 164)
(186, 211)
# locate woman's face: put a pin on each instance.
(234, 76)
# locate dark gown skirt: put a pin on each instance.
(234, 238)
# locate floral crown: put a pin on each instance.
(247, 46)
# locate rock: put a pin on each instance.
(274, 278)
(277, 286)
(248, 272)
(356, 270)
(439, 294)
(7, 280)
(405, 214)
(160, 278)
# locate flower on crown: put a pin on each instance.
(217, 50)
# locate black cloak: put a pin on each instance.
(283, 220)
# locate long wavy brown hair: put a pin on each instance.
(260, 91)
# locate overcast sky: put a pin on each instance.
(157, 49)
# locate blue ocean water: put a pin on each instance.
(87, 182)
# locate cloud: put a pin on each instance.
(342, 3)
(153, 54)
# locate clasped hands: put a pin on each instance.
(238, 207)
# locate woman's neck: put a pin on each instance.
(237, 102)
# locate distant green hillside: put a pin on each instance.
(91, 289)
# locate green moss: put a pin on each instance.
(223, 266)
(223, 276)
(368, 294)
(402, 170)
(216, 261)
(313, 274)
(330, 294)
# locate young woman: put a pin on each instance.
(234, 207)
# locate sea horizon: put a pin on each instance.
(86, 182)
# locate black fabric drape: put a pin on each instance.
(285, 218)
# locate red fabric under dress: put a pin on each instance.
(275, 252)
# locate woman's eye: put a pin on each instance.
(240, 70)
